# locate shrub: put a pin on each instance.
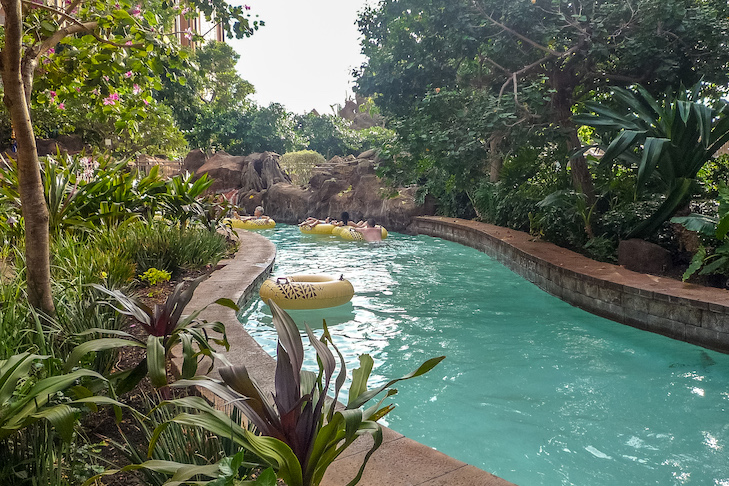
(159, 245)
(299, 165)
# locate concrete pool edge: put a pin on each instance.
(687, 312)
(398, 462)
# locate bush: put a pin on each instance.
(160, 245)
(299, 165)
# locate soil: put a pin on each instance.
(102, 427)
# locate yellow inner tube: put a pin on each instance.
(253, 224)
(349, 233)
(319, 229)
(307, 291)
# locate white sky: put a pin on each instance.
(304, 55)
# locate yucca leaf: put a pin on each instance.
(156, 362)
(360, 376)
(62, 418)
(421, 370)
(101, 344)
(676, 198)
(11, 370)
(652, 153)
(288, 335)
(697, 222)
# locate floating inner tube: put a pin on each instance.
(319, 229)
(307, 291)
(349, 233)
(253, 224)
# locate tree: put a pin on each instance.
(570, 50)
(213, 88)
(97, 42)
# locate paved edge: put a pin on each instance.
(687, 312)
(398, 462)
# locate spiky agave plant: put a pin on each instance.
(301, 430)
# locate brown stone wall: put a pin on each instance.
(681, 311)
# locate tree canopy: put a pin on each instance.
(545, 56)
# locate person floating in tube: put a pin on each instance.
(370, 231)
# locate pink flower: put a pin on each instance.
(247, 7)
(188, 34)
(111, 99)
(185, 10)
(128, 74)
(106, 78)
(51, 51)
(53, 94)
(136, 89)
(78, 89)
(46, 60)
(137, 10)
(128, 43)
(145, 101)
(61, 106)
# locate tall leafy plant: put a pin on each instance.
(716, 228)
(166, 328)
(302, 431)
(664, 140)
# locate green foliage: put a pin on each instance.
(301, 433)
(705, 261)
(666, 141)
(160, 245)
(153, 276)
(299, 165)
(166, 328)
(201, 448)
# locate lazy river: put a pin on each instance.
(533, 390)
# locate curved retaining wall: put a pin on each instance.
(687, 312)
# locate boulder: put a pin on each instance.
(194, 160)
(261, 171)
(224, 169)
(644, 257)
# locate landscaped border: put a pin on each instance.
(687, 312)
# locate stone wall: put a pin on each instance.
(681, 311)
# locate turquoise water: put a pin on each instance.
(533, 390)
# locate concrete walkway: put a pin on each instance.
(399, 461)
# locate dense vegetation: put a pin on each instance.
(503, 110)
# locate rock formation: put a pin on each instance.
(348, 184)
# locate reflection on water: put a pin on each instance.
(533, 390)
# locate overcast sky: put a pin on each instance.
(304, 55)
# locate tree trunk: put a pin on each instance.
(496, 160)
(562, 103)
(17, 81)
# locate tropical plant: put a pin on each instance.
(153, 276)
(716, 228)
(25, 401)
(166, 328)
(302, 432)
(180, 202)
(666, 141)
(98, 51)
(182, 445)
